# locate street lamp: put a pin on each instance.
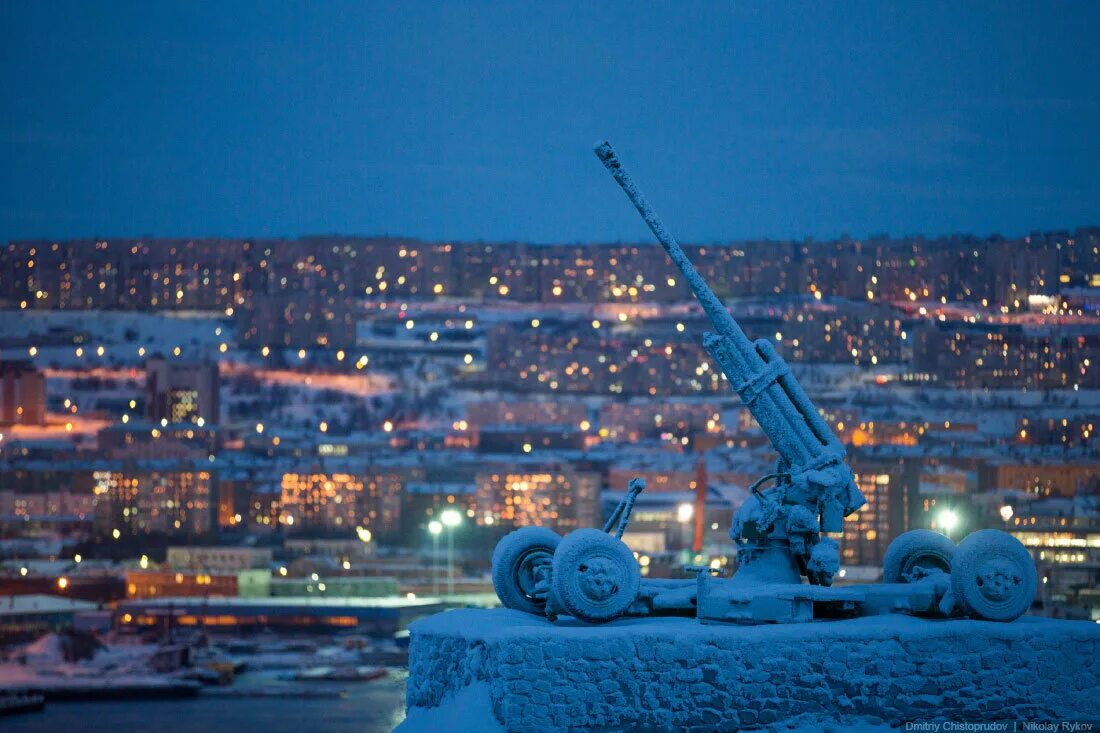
(948, 520)
(684, 514)
(451, 519)
(435, 528)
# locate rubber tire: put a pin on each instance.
(971, 571)
(914, 548)
(509, 555)
(616, 565)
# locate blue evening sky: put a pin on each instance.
(472, 120)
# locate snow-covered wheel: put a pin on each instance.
(595, 576)
(521, 568)
(993, 576)
(912, 554)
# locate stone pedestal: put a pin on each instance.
(519, 672)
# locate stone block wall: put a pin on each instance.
(678, 674)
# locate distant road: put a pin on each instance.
(358, 385)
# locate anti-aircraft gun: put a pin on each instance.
(781, 533)
(814, 488)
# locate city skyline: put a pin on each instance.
(250, 439)
(357, 390)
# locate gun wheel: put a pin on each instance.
(993, 577)
(521, 568)
(914, 553)
(595, 576)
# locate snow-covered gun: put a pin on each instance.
(811, 471)
(592, 575)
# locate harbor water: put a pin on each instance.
(368, 707)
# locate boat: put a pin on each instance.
(336, 674)
(14, 703)
(356, 642)
(386, 657)
(211, 673)
(277, 690)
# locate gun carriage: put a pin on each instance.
(781, 532)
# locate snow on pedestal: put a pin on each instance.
(505, 670)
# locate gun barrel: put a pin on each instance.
(760, 376)
(715, 310)
(755, 370)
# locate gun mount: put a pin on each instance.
(814, 488)
(780, 533)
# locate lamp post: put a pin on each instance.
(948, 520)
(435, 528)
(684, 514)
(451, 519)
